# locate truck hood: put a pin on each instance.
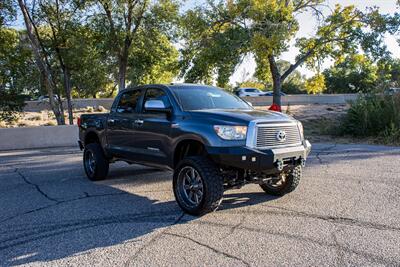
(240, 115)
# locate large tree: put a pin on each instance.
(123, 21)
(218, 36)
(42, 61)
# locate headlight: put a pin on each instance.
(231, 132)
(300, 129)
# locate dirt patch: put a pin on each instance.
(46, 118)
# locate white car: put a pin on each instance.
(241, 92)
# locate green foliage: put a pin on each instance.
(251, 84)
(18, 72)
(10, 104)
(355, 73)
(7, 11)
(316, 84)
(374, 116)
(153, 59)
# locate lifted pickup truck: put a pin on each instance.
(212, 140)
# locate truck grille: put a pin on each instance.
(267, 135)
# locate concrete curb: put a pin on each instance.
(38, 137)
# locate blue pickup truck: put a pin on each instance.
(211, 139)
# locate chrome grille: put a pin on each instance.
(266, 135)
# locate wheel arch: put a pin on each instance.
(190, 146)
(91, 137)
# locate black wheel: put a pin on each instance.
(285, 183)
(198, 185)
(95, 163)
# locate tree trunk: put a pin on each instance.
(67, 87)
(276, 80)
(123, 63)
(121, 74)
(43, 67)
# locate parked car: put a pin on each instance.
(212, 141)
(392, 91)
(242, 92)
(271, 93)
(46, 98)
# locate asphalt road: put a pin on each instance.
(346, 211)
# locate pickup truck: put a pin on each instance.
(212, 140)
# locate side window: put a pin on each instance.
(157, 94)
(128, 102)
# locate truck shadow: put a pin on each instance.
(96, 217)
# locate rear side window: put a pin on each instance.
(157, 94)
(128, 102)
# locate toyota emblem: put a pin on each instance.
(281, 136)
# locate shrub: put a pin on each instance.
(35, 118)
(10, 104)
(374, 116)
(50, 123)
(101, 109)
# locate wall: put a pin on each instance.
(38, 137)
(33, 106)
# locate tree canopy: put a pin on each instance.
(94, 48)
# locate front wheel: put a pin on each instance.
(285, 183)
(95, 163)
(198, 185)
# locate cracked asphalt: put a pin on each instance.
(346, 212)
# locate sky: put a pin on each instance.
(308, 27)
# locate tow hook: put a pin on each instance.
(279, 165)
(303, 162)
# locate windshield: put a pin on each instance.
(207, 97)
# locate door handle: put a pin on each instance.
(139, 122)
(111, 121)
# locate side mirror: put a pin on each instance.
(156, 106)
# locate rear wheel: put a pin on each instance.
(198, 185)
(95, 163)
(285, 183)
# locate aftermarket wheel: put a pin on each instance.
(198, 185)
(95, 163)
(284, 183)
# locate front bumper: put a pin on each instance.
(260, 160)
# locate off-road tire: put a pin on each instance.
(101, 163)
(212, 182)
(292, 181)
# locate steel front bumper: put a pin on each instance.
(260, 160)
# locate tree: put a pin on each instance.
(316, 84)
(124, 20)
(219, 36)
(153, 59)
(59, 17)
(16, 72)
(42, 62)
(7, 11)
(354, 74)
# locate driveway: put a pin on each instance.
(346, 211)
